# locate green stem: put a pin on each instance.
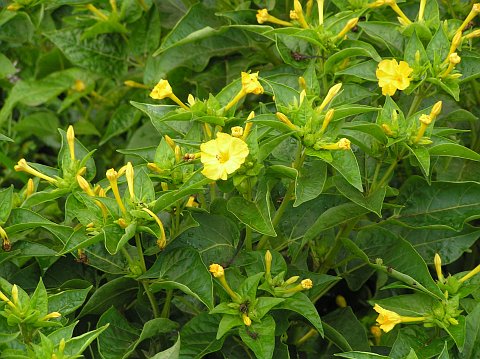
(129, 258)
(151, 299)
(417, 100)
(138, 244)
(299, 158)
(166, 305)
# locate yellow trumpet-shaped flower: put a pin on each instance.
(393, 76)
(263, 16)
(342, 144)
(388, 319)
(162, 241)
(332, 92)
(250, 84)
(299, 11)
(393, 4)
(219, 273)
(425, 120)
(222, 156)
(23, 166)
(248, 126)
(112, 177)
(350, 25)
(471, 15)
(303, 285)
(163, 90)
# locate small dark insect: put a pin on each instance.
(300, 57)
(389, 269)
(244, 307)
(252, 335)
(82, 258)
(469, 26)
(279, 200)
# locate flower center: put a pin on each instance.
(223, 157)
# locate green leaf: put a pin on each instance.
(228, 322)
(182, 268)
(346, 323)
(117, 292)
(373, 202)
(302, 305)
(67, 301)
(442, 204)
(413, 305)
(349, 52)
(116, 237)
(336, 338)
(453, 150)
(122, 119)
(364, 70)
(345, 162)
(103, 54)
(6, 199)
(310, 181)
(385, 33)
(199, 336)
(253, 214)
(397, 254)
(437, 48)
(471, 348)
(422, 155)
(284, 94)
(39, 299)
(6, 67)
(260, 337)
(170, 353)
(361, 355)
(77, 345)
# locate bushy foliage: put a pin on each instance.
(230, 179)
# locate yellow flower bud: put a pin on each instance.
(246, 320)
(425, 119)
(377, 334)
(85, 186)
(268, 262)
(162, 241)
(421, 10)
(14, 7)
(112, 176)
(237, 131)
(332, 92)
(122, 223)
(216, 270)
(471, 15)
(350, 25)
(470, 274)
(303, 94)
(286, 121)
(292, 280)
(153, 167)
(453, 321)
(388, 131)
(170, 142)
(326, 120)
(473, 34)
(191, 100)
(454, 58)
(30, 188)
(457, 39)
(340, 301)
(302, 83)
(299, 10)
(15, 294)
(248, 126)
(263, 16)
(6, 300)
(130, 174)
(293, 15)
(79, 86)
(97, 12)
(306, 283)
(135, 84)
(52, 315)
(191, 202)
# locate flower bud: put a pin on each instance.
(306, 283)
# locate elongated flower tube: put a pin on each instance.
(350, 25)
(250, 84)
(393, 4)
(71, 142)
(453, 59)
(421, 10)
(248, 126)
(162, 241)
(332, 92)
(97, 12)
(219, 273)
(52, 315)
(282, 117)
(85, 186)
(112, 177)
(22, 166)
(438, 267)
(268, 264)
(130, 174)
(341, 144)
(6, 245)
(425, 120)
(472, 35)
(299, 11)
(135, 84)
(320, 4)
(456, 40)
(163, 90)
(326, 120)
(7, 300)
(303, 285)
(387, 319)
(470, 274)
(471, 15)
(263, 16)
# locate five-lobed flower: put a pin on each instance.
(393, 76)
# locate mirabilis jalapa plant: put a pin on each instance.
(256, 200)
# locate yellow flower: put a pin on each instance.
(222, 156)
(246, 320)
(438, 267)
(306, 283)
(161, 90)
(250, 83)
(216, 270)
(237, 131)
(393, 76)
(350, 25)
(71, 142)
(388, 319)
(23, 166)
(264, 16)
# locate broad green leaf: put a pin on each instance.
(385, 33)
(364, 70)
(346, 323)
(350, 52)
(310, 181)
(228, 322)
(6, 66)
(471, 348)
(414, 337)
(39, 299)
(182, 268)
(442, 204)
(469, 67)
(117, 292)
(67, 301)
(361, 355)
(336, 338)
(397, 254)
(437, 48)
(373, 202)
(302, 305)
(6, 199)
(122, 120)
(253, 214)
(170, 353)
(199, 336)
(77, 345)
(413, 305)
(260, 337)
(345, 162)
(453, 150)
(104, 54)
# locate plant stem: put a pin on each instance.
(151, 299)
(311, 333)
(166, 305)
(138, 244)
(417, 100)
